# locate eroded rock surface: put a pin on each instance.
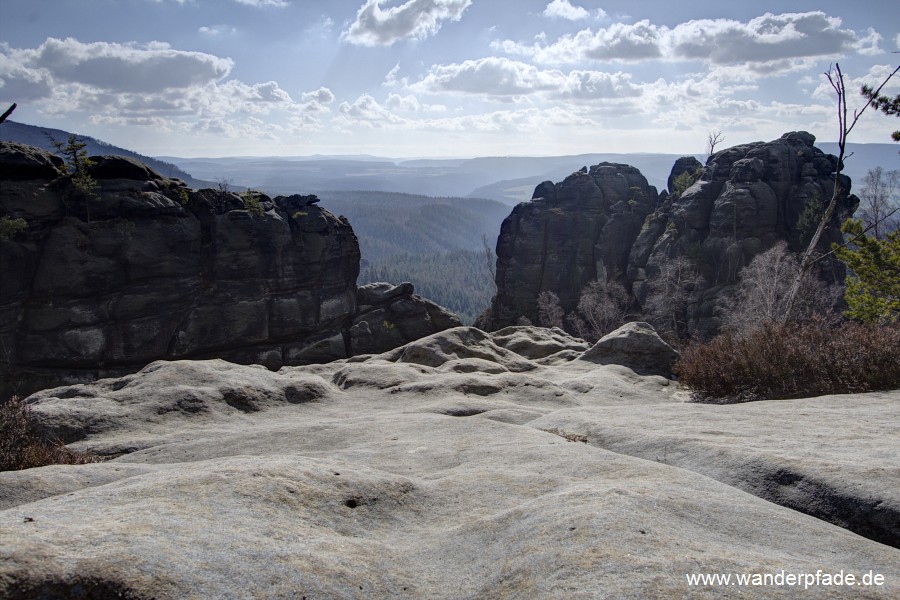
(452, 467)
(637, 346)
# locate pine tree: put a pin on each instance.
(886, 104)
(873, 290)
(77, 164)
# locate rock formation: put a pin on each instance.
(461, 465)
(146, 268)
(637, 346)
(569, 234)
(606, 222)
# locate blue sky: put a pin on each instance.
(435, 78)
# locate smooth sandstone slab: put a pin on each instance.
(437, 483)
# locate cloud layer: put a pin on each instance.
(343, 73)
(501, 77)
(414, 19)
(769, 42)
(146, 84)
(563, 9)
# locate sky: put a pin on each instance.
(441, 78)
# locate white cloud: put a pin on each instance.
(875, 76)
(403, 103)
(766, 44)
(143, 85)
(255, 96)
(264, 3)
(563, 9)
(769, 38)
(217, 30)
(320, 96)
(504, 78)
(126, 68)
(414, 19)
(366, 111)
(390, 80)
(618, 42)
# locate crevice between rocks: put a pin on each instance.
(869, 517)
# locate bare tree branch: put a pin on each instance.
(8, 112)
(713, 139)
(846, 125)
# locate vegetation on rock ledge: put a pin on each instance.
(22, 448)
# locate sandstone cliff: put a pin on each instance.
(149, 269)
(569, 234)
(606, 222)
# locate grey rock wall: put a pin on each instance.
(149, 269)
(607, 222)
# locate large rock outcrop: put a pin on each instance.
(453, 467)
(146, 268)
(607, 223)
(569, 234)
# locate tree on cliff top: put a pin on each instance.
(77, 164)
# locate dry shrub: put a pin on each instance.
(22, 448)
(794, 360)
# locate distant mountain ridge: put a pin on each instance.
(507, 179)
(33, 135)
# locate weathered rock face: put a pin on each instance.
(568, 235)
(149, 269)
(746, 199)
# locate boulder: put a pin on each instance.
(381, 292)
(121, 167)
(20, 161)
(685, 164)
(537, 342)
(634, 345)
(389, 315)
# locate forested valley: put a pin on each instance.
(437, 244)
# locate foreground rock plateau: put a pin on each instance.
(461, 465)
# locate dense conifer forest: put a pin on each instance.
(434, 243)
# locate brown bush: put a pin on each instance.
(21, 448)
(793, 360)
